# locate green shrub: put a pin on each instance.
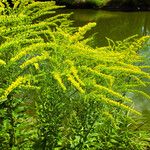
(57, 92)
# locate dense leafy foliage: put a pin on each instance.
(57, 92)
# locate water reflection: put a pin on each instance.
(114, 25)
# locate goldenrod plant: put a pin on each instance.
(58, 92)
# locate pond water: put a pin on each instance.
(118, 26)
(114, 25)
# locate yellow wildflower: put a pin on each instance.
(140, 92)
(105, 76)
(11, 87)
(135, 70)
(58, 78)
(34, 60)
(36, 65)
(138, 80)
(112, 92)
(75, 83)
(2, 62)
(118, 104)
(74, 72)
(82, 30)
(27, 50)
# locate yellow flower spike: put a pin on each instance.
(105, 76)
(57, 77)
(113, 93)
(118, 104)
(140, 92)
(108, 114)
(36, 65)
(16, 4)
(11, 87)
(136, 70)
(25, 51)
(74, 72)
(81, 31)
(2, 62)
(124, 106)
(138, 80)
(143, 67)
(2, 5)
(75, 84)
(33, 60)
(69, 62)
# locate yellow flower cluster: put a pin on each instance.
(129, 66)
(2, 5)
(128, 70)
(82, 30)
(118, 104)
(138, 80)
(105, 76)
(74, 72)
(25, 51)
(33, 60)
(2, 62)
(16, 3)
(36, 65)
(111, 92)
(138, 44)
(75, 84)
(57, 77)
(148, 67)
(11, 87)
(140, 92)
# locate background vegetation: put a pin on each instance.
(56, 91)
(109, 4)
